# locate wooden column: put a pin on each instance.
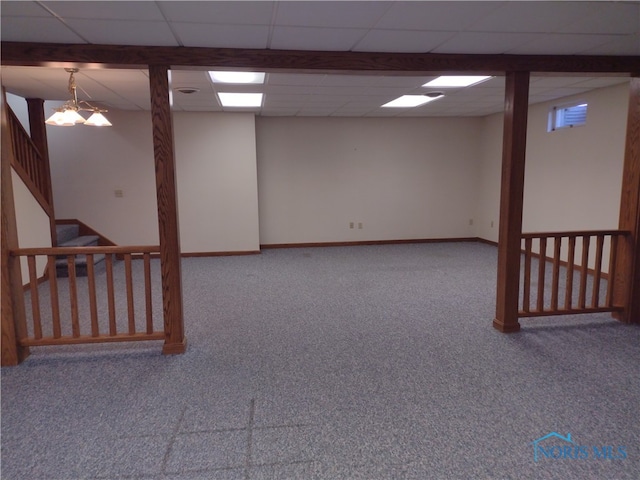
(13, 312)
(627, 277)
(38, 131)
(163, 147)
(511, 201)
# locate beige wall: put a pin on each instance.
(401, 178)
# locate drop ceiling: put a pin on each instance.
(505, 27)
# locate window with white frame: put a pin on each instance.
(567, 116)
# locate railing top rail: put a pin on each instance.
(85, 250)
(577, 233)
(18, 128)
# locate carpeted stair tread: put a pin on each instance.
(67, 232)
(83, 241)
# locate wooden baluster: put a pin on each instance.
(568, 297)
(147, 291)
(55, 305)
(93, 307)
(584, 272)
(526, 294)
(612, 269)
(557, 245)
(35, 298)
(595, 299)
(113, 329)
(541, 273)
(73, 296)
(129, 281)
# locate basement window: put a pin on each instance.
(567, 116)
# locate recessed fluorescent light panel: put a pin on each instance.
(237, 77)
(407, 101)
(455, 81)
(240, 99)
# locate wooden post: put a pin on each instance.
(163, 147)
(511, 201)
(13, 311)
(626, 291)
(38, 129)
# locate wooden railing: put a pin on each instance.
(92, 309)
(28, 162)
(578, 280)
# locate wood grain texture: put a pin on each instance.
(12, 308)
(163, 147)
(627, 272)
(511, 201)
(35, 296)
(123, 56)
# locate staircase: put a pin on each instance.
(69, 236)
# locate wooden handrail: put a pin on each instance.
(577, 233)
(107, 249)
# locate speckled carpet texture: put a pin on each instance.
(368, 363)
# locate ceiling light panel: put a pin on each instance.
(238, 78)
(408, 101)
(455, 81)
(240, 99)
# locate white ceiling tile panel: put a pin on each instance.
(328, 39)
(413, 41)
(623, 45)
(37, 29)
(124, 32)
(294, 79)
(23, 9)
(221, 36)
(95, 10)
(220, 13)
(563, 44)
(485, 43)
(535, 17)
(607, 17)
(330, 14)
(438, 16)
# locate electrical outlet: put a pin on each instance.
(351, 224)
(470, 222)
(491, 223)
(118, 192)
(359, 225)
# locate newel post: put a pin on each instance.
(12, 309)
(514, 146)
(627, 276)
(163, 147)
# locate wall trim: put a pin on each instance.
(220, 254)
(368, 242)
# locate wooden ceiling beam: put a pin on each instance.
(123, 56)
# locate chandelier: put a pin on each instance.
(68, 115)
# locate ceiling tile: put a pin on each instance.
(221, 36)
(124, 32)
(413, 41)
(23, 9)
(607, 17)
(218, 12)
(96, 10)
(329, 39)
(37, 29)
(562, 44)
(435, 16)
(336, 14)
(484, 43)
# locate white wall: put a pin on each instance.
(217, 182)
(573, 176)
(215, 170)
(32, 223)
(401, 178)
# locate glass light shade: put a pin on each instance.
(98, 120)
(58, 119)
(72, 117)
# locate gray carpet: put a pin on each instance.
(335, 363)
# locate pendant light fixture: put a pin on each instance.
(68, 115)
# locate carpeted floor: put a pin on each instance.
(340, 363)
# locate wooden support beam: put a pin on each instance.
(627, 271)
(163, 147)
(38, 130)
(511, 201)
(13, 316)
